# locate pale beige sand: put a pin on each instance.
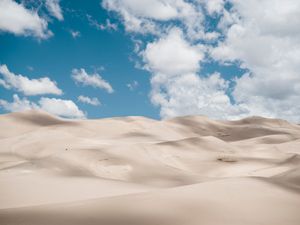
(138, 171)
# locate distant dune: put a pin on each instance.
(137, 171)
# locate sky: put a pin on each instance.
(226, 59)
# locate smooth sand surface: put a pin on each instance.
(139, 171)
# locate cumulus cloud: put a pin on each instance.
(174, 58)
(146, 16)
(16, 19)
(260, 36)
(27, 86)
(172, 55)
(264, 40)
(17, 104)
(55, 9)
(190, 94)
(177, 88)
(59, 107)
(80, 76)
(213, 6)
(158, 10)
(87, 100)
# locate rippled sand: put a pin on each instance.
(138, 171)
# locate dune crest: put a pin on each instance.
(135, 170)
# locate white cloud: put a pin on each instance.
(213, 6)
(261, 36)
(189, 94)
(174, 60)
(176, 87)
(17, 104)
(133, 85)
(159, 10)
(145, 16)
(92, 101)
(80, 76)
(59, 107)
(266, 41)
(27, 86)
(54, 8)
(172, 55)
(16, 19)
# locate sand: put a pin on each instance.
(137, 171)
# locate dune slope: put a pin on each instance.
(135, 170)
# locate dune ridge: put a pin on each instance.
(136, 170)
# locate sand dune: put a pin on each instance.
(135, 170)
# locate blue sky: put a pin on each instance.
(106, 52)
(161, 58)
